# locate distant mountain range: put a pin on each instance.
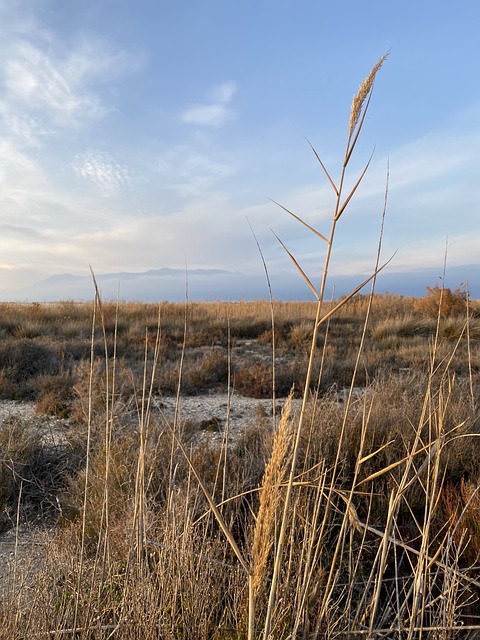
(218, 284)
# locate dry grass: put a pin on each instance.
(270, 499)
(375, 508)
(359, 519)
(47, 368)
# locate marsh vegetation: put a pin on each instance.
(355, 517)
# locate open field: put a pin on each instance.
(345, 506)
(138, 535)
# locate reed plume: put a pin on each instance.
(363, 92)
(276, 473)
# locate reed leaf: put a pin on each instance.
(317, 233)
(334, 187)
(302, 273)
(355, 187)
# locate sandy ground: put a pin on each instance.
(21, 551)
(209, 415)
(10, 408)
(207, 411)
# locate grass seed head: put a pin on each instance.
(365, 88)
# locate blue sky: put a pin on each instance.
(142, 135)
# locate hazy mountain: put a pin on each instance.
(217, 284)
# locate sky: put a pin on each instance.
(138, 136)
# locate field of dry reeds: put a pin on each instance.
(356, 517)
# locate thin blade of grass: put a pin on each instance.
(374, 453)
(354, 292)
(317, 233)
(303, 274)
(350, 195)
(220, 519)
(399, 543)
(323, 167)
(410, 456)
(272, 322)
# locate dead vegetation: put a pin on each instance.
(356, 519)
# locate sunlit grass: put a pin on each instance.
(356, 517)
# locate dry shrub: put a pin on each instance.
(205, 372)
(282, 333)
(266, 337)
(461, 503)
(300, 336)
(210, 336)
(111, 393)
(76, 349)
(442, 300)
(186, 587)
(118, 484)
(56, 395)
(403, 326)
(8, 388)
(22, 361)
(252, 451)
(455, 327)
(29, 329)
(34, 468)
(248, 328)
(202, 370)
(255, 381)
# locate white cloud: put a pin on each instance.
(191, 173)
(214, 113)
(42, 82)
(19, 173)
(223, 93)
(102, 170)
(25, 129)
(208, 233)
(48, 85)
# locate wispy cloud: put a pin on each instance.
(25, 129)
(48, 85)
(63, 87)
(20, 174)
(216, 111)
(33, 77)
(19, 232)
(190, 172)
(102, 170)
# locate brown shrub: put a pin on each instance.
(33, 470)
(209, 370)
(450, 303)
(56, 395)
(24, 359)
(255, 381)
(402, 326)
(462, 508)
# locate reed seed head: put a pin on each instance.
(365, 88)
(276, 472)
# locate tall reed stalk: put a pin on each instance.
(358, 112)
